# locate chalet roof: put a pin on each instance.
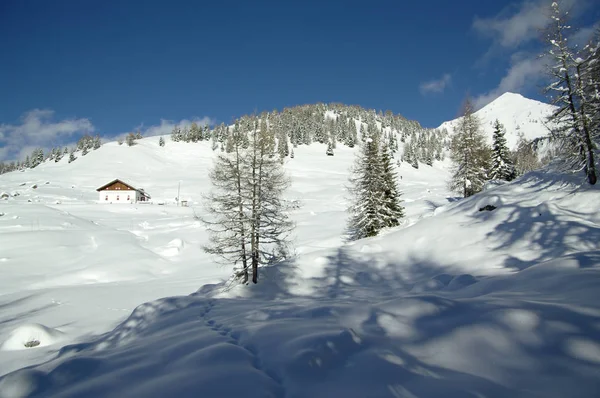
(103, 187)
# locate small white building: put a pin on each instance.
(118, 191)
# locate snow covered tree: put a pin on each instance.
(502, 166)
(270, 223)
(57, 154)
(282, 142)
(469, 154)
(97, 142)
(367, 215)
(248, 223)
(130, 139)
(72, 155)
(524, 157)
(228, 222)
(572, 121)
(176, 134)
(161, 141)
(329, 151)
(592, 76)
(194, 133)
(37, 158)
(392, 209)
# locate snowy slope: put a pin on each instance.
(69, 263)
(455, 303)
(518, 115)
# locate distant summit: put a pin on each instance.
(518, 114)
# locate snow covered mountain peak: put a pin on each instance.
(517, 113)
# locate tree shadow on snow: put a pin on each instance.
(548, 229)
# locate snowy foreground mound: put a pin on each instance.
(465, 303)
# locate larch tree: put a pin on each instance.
(469, 154)
(524, 157)
(227, 223)
(270, 223)
(248, 220)
(572, 121)
(502, 167)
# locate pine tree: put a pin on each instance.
(161, 141)
(502, 166)
(392, 209)
(130, 139)
(469, 154)
(58, 154)
(72, 155)
(37, 158)
(572, 117)
(185, 134)
(97, 142)
(367, 215)
(195, 133)
(176, 134)
(329, 151)
(414, 157)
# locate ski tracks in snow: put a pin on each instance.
(234, 336)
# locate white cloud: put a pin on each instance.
(519, 27)
(436, 86)
(523, 74)
(38, 129)
(582, 37)
(512, 30)
(515, 26)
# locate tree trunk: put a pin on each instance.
(590, 161)
(255, 267)
(241, 214)
(581, 133)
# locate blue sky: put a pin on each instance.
(110, 67)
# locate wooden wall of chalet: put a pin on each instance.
(117, 186)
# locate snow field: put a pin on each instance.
(456, 302)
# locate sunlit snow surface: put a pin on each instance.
(518, 115)
(455, 303)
